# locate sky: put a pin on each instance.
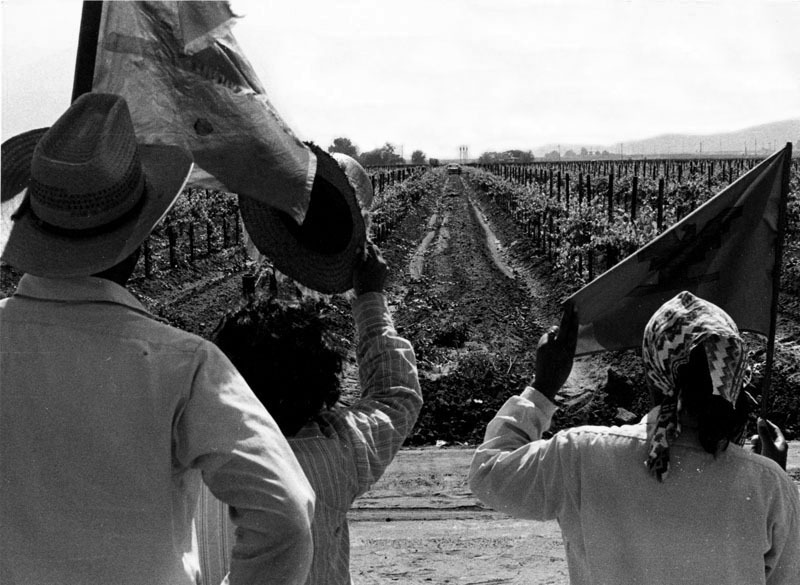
(492, 75)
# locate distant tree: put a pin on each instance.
(487, 158)
(520, 156)
(584, 152)
(418, 157)
(345, 146)
(383, 156)
(552, 155)
(570, 154)
(434, 162)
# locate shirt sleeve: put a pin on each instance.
(391, 397)
(246, 462)
(515, 471)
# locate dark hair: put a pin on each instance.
(288, 356)
(718, 421)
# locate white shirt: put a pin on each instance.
(107, 420)
(733, 519)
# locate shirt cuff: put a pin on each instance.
(546, 406)
(370, 308)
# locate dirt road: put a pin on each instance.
(420, 524)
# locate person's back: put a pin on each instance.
(109, 419)
(287, 355)
(673, 499)
(96, 404)
(712, 521)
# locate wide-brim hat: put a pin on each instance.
(81, 196)
(320, 253)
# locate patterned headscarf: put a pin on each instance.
(677, 327)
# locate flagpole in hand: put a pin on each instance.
(87, 48)
(776, 282)
(555, 353)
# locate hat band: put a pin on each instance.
(97, 230)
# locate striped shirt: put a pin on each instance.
(342, 451)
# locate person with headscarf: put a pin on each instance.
(672, 499)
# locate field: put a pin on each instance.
(473, 289)
(479, 262)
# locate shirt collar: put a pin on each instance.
(79, 289)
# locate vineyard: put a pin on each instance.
(586, 216)
(472, 327)
(204, 222)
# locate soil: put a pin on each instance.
(473, 297)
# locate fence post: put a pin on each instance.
(634, 193)
(610, 197)
(224, 232)
(660, 205)
(558, 186)
(148, 260)
(566, 192)
(209, 238)
(191, 242)
(172, 238)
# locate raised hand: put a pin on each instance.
(370, 271)
(555, 354)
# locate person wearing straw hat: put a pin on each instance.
(292, 360)
(109, 419)
(673, 499)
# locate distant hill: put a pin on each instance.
(762, 139)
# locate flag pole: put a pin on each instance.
(87, 47)
(776, 280)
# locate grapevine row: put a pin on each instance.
(205, 222)
(587, 225)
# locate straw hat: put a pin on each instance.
(322, 252)
(80, 197)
